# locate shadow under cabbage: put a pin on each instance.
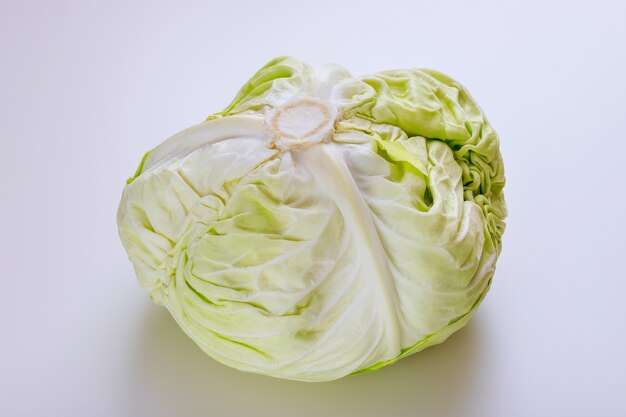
(171, 376)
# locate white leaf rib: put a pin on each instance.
(331, 172)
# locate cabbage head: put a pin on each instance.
(322, 224)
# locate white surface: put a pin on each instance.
(87, 87)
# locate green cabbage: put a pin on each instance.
(321, 225)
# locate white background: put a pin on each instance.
(88, 86)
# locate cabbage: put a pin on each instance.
(321, 225)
